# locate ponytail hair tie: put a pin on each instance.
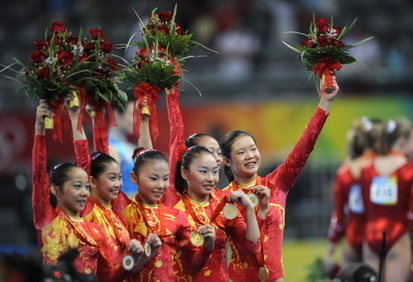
(137, 152)
(391, 126)
(182, 151)
(367, 124)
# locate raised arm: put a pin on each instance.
(285, 175)
(176, 143)
(80, 142)
(43, 212)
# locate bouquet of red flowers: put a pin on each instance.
(52, 71)
(162, 30)
(97, 82)
(152, 71)
(323, 51)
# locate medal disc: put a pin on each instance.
(263, 274)
(230, 211)
(254, 199)
(196, 239)
(128, 262)
(147, 249)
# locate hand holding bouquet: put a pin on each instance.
(323, 51)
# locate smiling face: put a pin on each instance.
(107, 185)
(74, 192)
(212, 145)
(245, 158)
(153, 180)
(202, 175)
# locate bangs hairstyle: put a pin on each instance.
(141, 156)
(226, 148)
(99, 162)
(188, 157)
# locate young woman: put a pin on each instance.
(348, 216)
(204, 203)
(62, 228)
(387, 185)
(242, 159)
(146, 215)
(106, 183)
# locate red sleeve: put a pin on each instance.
(195, 256)
(336, 228)
(82, 154)
(176, 143)
(238, 230)
(102, 145)
(285, 175)
(43, 212)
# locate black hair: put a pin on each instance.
(99, 163)
(187, 158)
(141, 156)
(226, 148)
(194, 139)
(59, 173)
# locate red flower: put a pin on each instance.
(96, 33)
(113, 65)
(44, 73)
(323, 41)
(58, 27)
(322, 25)
(89, 47)
(165, 17)
(36, 56)
(308, 43)
(107, 46)
(41, 45)
(142, 52)
(65, 57)
(337, 30)
(163, 29)
(337, 43)
(73, 40)
(180, 30)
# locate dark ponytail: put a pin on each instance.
(226, 147)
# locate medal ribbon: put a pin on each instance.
(160, 215)
(116, 223)
(189, 208)
(78, 228)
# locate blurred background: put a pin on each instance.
(255, 83)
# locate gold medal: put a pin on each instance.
(128, 262)
(263, 274)
(254, 199)
(147, 249)
(48, 123)
(230, 211)
(196, 239)
(74, 102)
